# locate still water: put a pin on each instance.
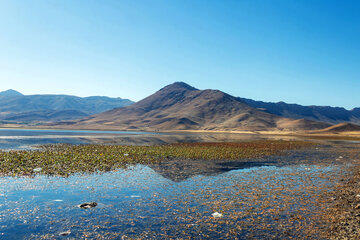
(278, 198)
(22, 139)
(140, 202)
(26, 138)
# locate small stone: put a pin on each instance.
(88, 205)
(135, 196)
(37, 169)
(358, 196)
(357, 206)
(65, 233)
(217, 215)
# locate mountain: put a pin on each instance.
(332, 115)
(10, 93)
(182, 107)
(44, 116)
(15, 107)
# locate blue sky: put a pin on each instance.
(304, 52)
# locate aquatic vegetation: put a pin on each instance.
(64, 160)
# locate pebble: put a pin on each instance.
(37, 169)
(65, 233)
(217, 215)
(88, 205)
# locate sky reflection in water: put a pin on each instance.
(139, 199)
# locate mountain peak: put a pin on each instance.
(10, 93)
(178, 86)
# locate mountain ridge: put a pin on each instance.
(332, 115)
(10, 93)
(50, 107)
(179, 106)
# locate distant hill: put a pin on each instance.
(332, 115)
(10, 93)
(15, 107)
(44, 116)
(182, 107)
(342, 127)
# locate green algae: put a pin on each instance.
(64, 160)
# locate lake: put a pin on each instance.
(196, 199)
(27, 138)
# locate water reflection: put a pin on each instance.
(25, 139)
(180, 170)
(145, 201)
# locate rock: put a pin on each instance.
(217, 215)
(88, 205)
(37, 169)
(357, 206)
(65, 233)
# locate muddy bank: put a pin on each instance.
(343, 214)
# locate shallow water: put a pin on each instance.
(140, 202)
(273, 199)
(26, 138)
(23, 139)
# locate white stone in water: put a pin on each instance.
(37, 169)
(135, 196)
(217, 215)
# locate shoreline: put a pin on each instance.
(353, 135)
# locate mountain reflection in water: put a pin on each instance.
(25, 139)
(141, 202)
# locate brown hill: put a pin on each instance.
(342, 127)
(181, 107)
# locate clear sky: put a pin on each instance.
(297, 51)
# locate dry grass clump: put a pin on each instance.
(65, 160)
